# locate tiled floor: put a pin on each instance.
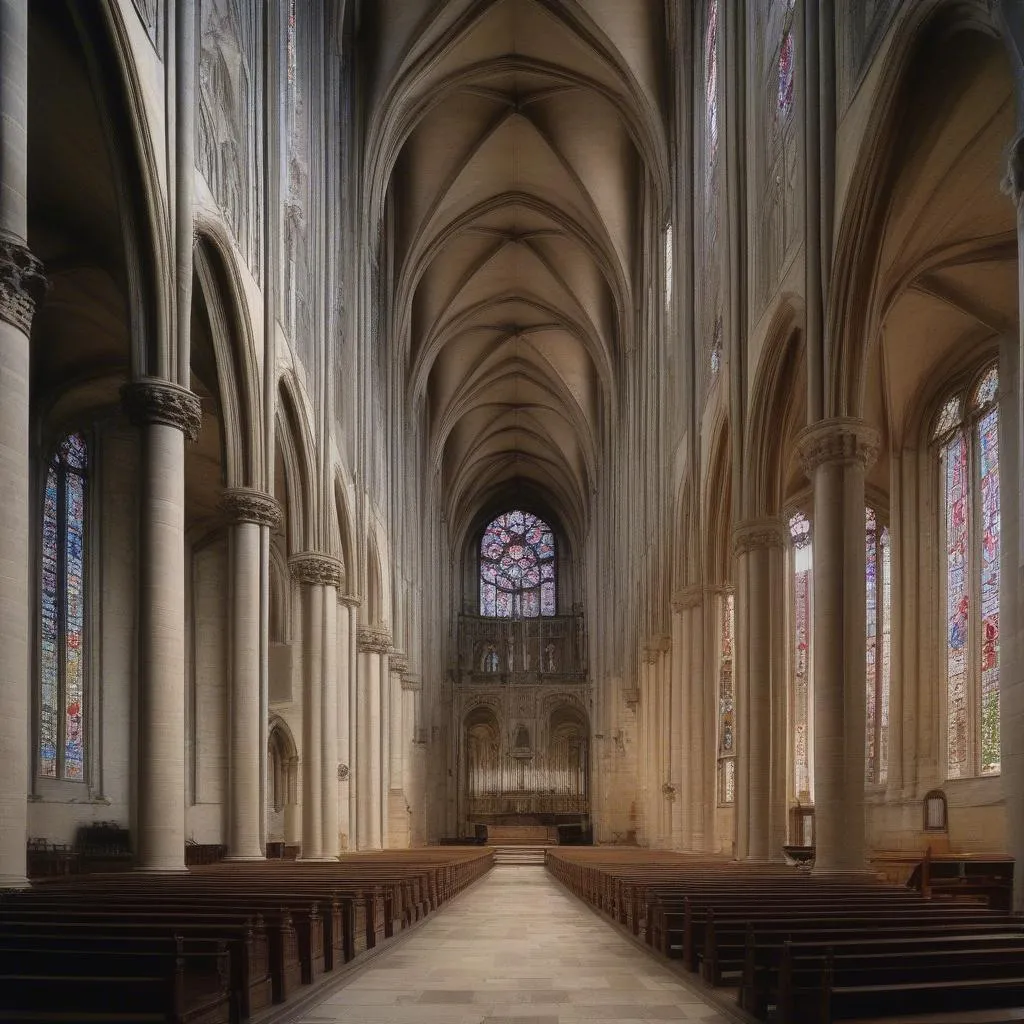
(515, 949)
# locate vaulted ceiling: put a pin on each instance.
(517, 143)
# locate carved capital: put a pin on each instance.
(247, 505)
(373, 640)
(631, 696)
(844, 440)
(398, 662)
(22, 284)
(150, 400)
(411, 681)
(350, 600)
(687, 597)
(316, 569)
(649, 654)
(754, 534)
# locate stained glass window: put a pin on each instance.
(878, 564)
(786, 74)
(62, 613)
(727, 705)
(517, 567)
(969, 462)
(800, 537)
(711, 80)
(669, 266)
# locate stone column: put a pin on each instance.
(316, 573)
(329, 735)
(758, 545)
(397, 816)
(345, 836)
(680, 727)
(22, 287)
(411, 777)
(384, 736)
(373, 645)
(700, 825)
(250, 511)
(835, 454)
(166, 414)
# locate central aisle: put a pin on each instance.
(515, 949)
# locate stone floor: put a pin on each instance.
(514, 949)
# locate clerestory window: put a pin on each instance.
(517, 567)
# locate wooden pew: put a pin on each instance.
(156, 980)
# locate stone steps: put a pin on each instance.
(519, 854)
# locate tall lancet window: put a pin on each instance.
(727, 706)
(967, 438)
(786, 68)
(517, 567)
(878, 563)
(802, 566)
(61, 749)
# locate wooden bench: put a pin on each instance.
(156, 980)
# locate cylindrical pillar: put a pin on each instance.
(758, 615)
(166, 413)
(680, 727)
(372, 645)
(249, 510)
(317, 574)
(699, 823)
(345, 836)
(835, 454)
(329, 728)
(398, 819)
(22, 287)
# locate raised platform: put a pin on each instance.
(520, 854)
(522, 835)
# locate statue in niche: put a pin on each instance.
(550, 662)
(489, 660)
(509, 654)
(521, 747)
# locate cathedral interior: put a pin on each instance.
(426, 417)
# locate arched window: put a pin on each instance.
(727, 706)
(62, 613)
(802, 563)
(669, 266)
(517, 567)
(878, 563)
(711, 80)
(786, 69)
(966, 436)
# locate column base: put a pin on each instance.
(14, 882)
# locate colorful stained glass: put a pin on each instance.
(49, 681)
(62, 614)
(949, 417)
(885, 553)
(669, 266)
(711, 80)
(800, 535)
(988, 388)
(517, 567)
(290, 46)
(726, 695)
(727, 781)
(872, 662)
(957, 497)
(787, 74)
(988, 472)
(74, 597)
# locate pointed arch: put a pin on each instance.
(295, 444)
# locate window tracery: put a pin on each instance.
(61, 747)
(727, 706)
(517, 567)
(878, 572)
(802, 565)
(966, 435)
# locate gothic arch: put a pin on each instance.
(718, 505)
(857, 302)
(237, 373)
(777, 405)
(295, 447)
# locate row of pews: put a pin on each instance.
(218, 944)
(805, 949)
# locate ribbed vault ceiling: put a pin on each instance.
(518, 139)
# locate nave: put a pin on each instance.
(515, 948)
